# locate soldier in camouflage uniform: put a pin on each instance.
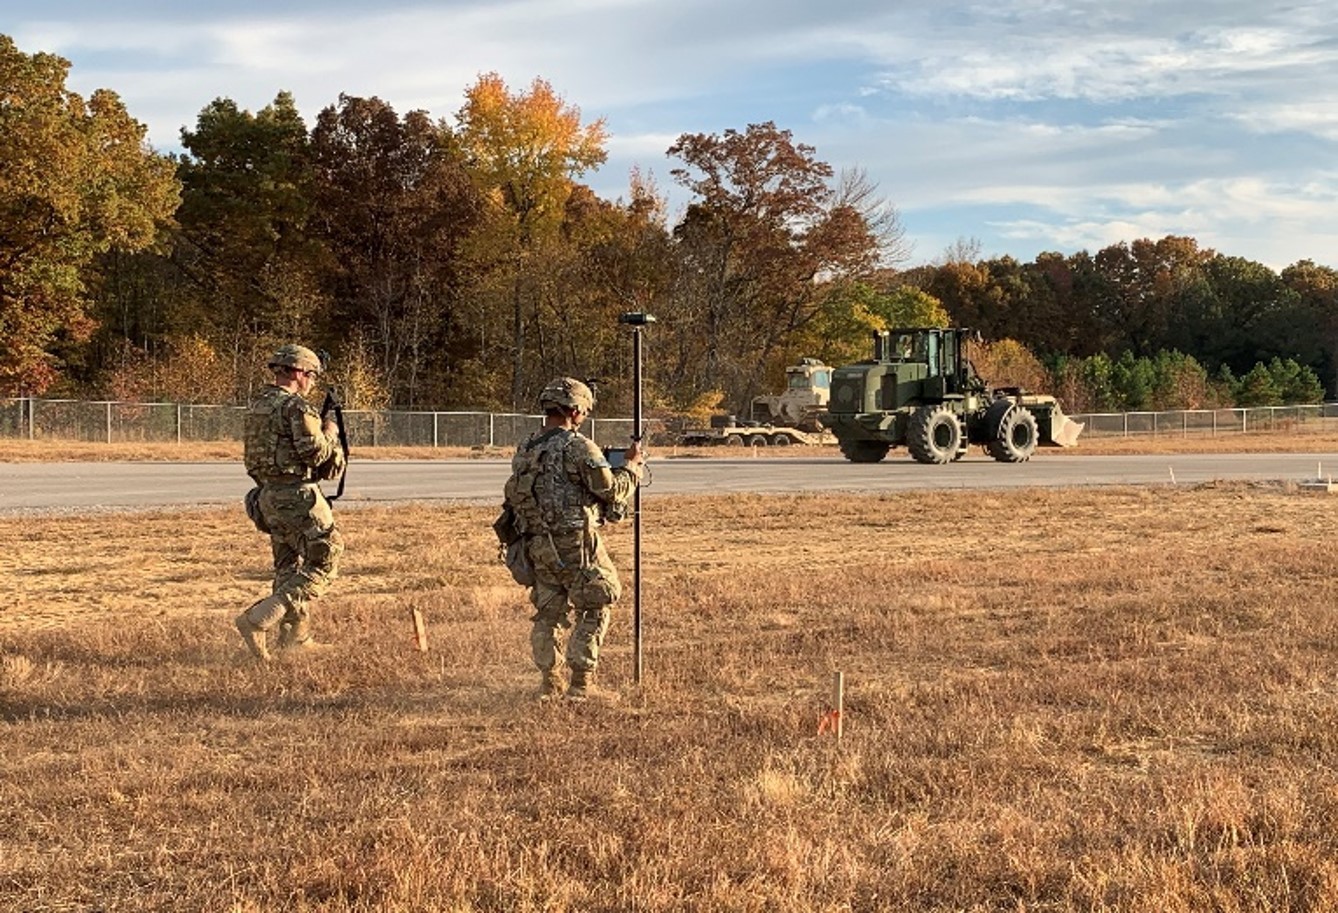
(287, 451)
(561, 488)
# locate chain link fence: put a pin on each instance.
(1321, 418)
(121, 422)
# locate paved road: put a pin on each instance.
(83, 487)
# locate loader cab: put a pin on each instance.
(930, 347)
(935, 356)
(898, 345)
(950, 362)
(933, 352)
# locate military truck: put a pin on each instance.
(776, 419)
(921, 392)
(808, 385)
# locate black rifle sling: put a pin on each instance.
(332, 404)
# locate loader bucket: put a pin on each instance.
(1064, 431)
(1053, 427)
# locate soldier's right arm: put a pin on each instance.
(612, 486)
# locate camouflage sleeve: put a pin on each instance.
(310, 442)
(612, 486)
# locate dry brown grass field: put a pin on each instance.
(1112, 699)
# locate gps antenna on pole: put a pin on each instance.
(636, 320)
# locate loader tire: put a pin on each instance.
(935, 435)
(1014, 437)
(864, 451)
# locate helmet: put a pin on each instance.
(567, 393)
(295, 356)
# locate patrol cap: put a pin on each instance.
(295, 356)
(567, 393)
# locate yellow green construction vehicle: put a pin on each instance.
(920, 391)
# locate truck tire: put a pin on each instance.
(723, 421)
(1014, 438)
(781, 439)
(756, 440)
(734, 440)
(864, 451)
(935, 435)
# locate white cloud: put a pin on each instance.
(844, 113)
(1217, 213)
(1318, 117)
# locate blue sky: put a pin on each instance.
(1025, 125)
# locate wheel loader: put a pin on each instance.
(921, 392)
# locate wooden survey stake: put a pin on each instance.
(419, 629)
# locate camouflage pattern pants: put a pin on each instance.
(573, 573)
(306, 545)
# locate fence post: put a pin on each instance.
(109, 422)
(492, 429)
(436, 416)
(178, 423)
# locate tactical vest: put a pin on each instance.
(546, 492)
(268, 450)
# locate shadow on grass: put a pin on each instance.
(202, 670)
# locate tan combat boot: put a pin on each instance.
(295, 638)
(306, 647)
(253, 636)
(583, 688)
(550, 685)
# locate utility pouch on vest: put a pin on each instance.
(252, 504)
(517, 561)
(511, 546)
(505, 526)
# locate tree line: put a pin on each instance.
(459, 263)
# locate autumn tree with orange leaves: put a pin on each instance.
(524, 151)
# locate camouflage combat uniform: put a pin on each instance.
(286, 453)
(560, 487)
